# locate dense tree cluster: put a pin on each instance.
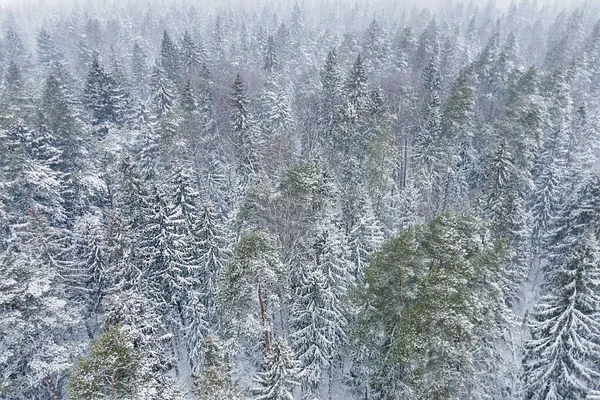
(314, 200)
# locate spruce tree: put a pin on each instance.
(280, 373)
(331, 82)
(271, 61)
(191, 58)
(244, 135)
(170, 58)
(162, 93)
(139, 71)
(562, 357)
(356, 85)
(314, 318)
(104, 97)
(48, 51)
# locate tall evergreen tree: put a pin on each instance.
(105, 97)
(170, 58)
(271, 61)
(562, 357)
(139, 71)
(279, 375)
(162, 92)
(191, 57)
(243, 130)
(356, 85)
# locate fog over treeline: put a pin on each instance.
(279, 200)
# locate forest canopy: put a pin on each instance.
(280, 200)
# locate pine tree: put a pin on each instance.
(280, 373)
(431, 309)
(215, 381)
(562, 357)
(247, 291)
(111, 369)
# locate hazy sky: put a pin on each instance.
(499, 3)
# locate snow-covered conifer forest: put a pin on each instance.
(279, 200)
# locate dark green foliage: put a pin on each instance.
(433, 301)
(110, 371)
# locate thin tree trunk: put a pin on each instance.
(263, 316)
(446, 185)
(113, 378)
(52, 388)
